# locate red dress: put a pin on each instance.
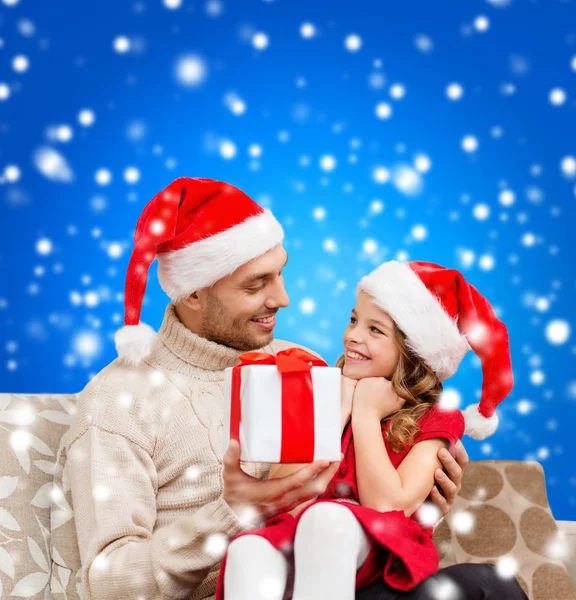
(404, 553)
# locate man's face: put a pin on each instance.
(239, 310)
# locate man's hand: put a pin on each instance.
(451, 481)
(273, 496)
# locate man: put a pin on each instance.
(155, 498)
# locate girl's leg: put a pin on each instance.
(329, 547)
(255, 570)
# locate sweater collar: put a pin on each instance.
(193, 349)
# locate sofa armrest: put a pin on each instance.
(568, 529)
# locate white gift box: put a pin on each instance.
(261, 423)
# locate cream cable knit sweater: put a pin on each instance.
(144, 463)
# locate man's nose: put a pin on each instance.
(279, 296)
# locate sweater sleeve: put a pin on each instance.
(113, 483)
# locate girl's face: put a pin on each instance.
(370, 347)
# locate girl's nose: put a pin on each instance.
(353, 337)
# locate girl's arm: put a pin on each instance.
(380, 485)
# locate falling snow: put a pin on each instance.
(353, 43)
(361, 157)
(190, 71)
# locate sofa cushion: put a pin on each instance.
(30, 431)
(502, 516)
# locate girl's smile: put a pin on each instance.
(352, 355)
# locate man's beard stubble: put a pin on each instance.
(220, 327)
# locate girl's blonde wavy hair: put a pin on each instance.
(414, 381)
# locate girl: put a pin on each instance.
(411, 326)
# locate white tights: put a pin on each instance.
(329, 547)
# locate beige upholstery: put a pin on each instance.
(31, 429)
(568, 529)
(502, 513)
(506, 501)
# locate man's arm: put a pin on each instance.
(113, 485)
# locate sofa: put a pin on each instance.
(501, 515)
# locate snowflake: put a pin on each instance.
(260, 41)
(353, 42)
(190, 70)
(307, 306)
(383, 110)
(470, 143)
(328, 163)
(558, 331)
(216, 544)
(507, 567)
(20, 63)
(450, 399)
(463, 522)
(454, 91)
(557, 97)
(307, 30)
(481, 23)
(86, 117)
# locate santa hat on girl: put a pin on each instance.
(200, 231)
(442, 317)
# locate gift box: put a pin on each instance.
(283, 408)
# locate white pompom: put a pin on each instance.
(478, 426)
(134, 343)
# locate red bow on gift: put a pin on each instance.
(294, 366)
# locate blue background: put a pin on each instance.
(65, 239)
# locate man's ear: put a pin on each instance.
(193, 302)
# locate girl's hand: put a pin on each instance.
(375, 397)
(348, 386)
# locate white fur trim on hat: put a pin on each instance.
(134, 343)
(478, 426)
(430, 331)
(202, 263)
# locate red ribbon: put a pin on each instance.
(294, 366)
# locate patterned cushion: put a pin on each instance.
(502, 516)
(30, 431)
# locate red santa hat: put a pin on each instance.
(442, 317)
(200, 231)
